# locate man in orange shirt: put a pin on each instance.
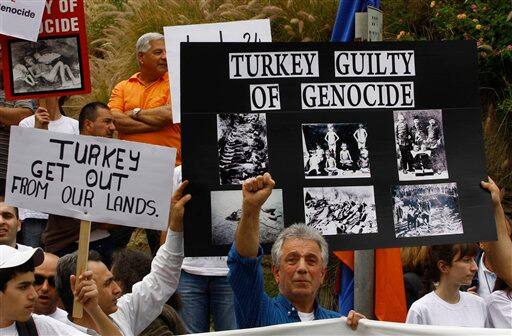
(141, 104)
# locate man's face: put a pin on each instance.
(17, 301)
(108, 290)
(9, 225)
(44, 274)
(155, 59)
(103, 126)
(301, 270)
(462, 270)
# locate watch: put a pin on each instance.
(136, 111)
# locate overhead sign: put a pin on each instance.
(90, 178)
(21, 18)
(236, 31)
(372, 144)
(57, 64)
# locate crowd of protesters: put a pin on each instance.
(126, 292)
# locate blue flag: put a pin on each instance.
(343, 30)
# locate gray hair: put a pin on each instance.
(300, 231)
(65, 268)
(142, 44)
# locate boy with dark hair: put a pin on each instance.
(18, 296)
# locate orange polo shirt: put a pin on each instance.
(132, 93)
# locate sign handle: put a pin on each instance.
(81, 265)
(43, 103)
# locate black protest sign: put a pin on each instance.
(374, 145)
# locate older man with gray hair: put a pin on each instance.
(141, 107)
(299, 256)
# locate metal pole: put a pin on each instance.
(364, 283)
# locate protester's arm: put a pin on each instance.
(126, 124)
(498, 252)
(41, 118)
(13, 115)
(139, 308)
(87, 294)
(255, 192)
(158, 116)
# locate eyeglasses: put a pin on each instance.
(39, 280)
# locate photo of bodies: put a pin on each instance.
(227, 210)
(420, 146)
(335, 151)
(426, 210)
(242, 147)
(341, 210)
(46, 65)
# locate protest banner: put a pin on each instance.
(338, 327)
(21, 18)
(235, 31)
(374, 145)
(57, 64)
(90, 178)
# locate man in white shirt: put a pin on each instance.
(204, 290)
(44, 284)
(486, 277)
(134, 311)
(49, 118)
(9, 227)
(17, 295)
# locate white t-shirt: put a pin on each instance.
(470, 311)
(59, 315)
(62, 125)
(206, 266)
(45, 326)
(486, 279)
(499, 310)
(304, 317)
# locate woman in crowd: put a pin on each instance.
(448, 267)
(499, 306)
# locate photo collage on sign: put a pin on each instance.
(242, 153)
(47, 65)
(424, 209)
(338, 151)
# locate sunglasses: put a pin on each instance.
(39, 280)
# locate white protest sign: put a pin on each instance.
(374, 24)
(236, 31)
(21, 18)
(90, 178)
(338, 327)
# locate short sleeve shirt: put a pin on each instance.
(5, 130)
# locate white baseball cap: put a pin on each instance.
(11, 257)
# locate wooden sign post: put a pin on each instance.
(81, 265)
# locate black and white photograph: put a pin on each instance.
(227, 210)
(335, 151)
(48, 65)
(341, 210)
(242, 146)
(420, 146)
(426, 210)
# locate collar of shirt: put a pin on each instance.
(136, 78)
(292, 311)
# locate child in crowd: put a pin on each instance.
(450, 267)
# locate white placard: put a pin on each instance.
(236, 31)
(21, 18)
(339, 327)
(90, 178)
(374, 24)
